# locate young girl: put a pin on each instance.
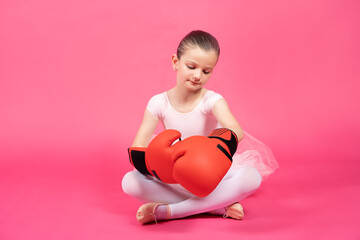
(194, 110)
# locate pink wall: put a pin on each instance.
(76, 75)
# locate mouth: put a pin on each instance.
(194, 83)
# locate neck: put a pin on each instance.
(187, 96)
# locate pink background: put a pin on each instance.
(75, 77)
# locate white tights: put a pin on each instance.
(236, 185)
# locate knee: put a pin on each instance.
(131, 183)
(251, 178)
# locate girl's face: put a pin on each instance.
(194, 68)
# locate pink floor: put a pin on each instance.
(57, 195)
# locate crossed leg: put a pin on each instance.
(235, 186)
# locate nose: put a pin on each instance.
(197, 76)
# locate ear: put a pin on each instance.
(174, 61)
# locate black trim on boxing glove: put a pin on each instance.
(225, 152)
(227, 136)
(137, 159)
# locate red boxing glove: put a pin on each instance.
(158, 155)
(201, 162)
(155, 160)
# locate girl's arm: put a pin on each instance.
(146, 130)
(226, 119)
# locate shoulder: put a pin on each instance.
(157, 99)
(157, 104)
(210, 99)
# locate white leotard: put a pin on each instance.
(200, 121)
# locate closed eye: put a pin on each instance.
(204, 71)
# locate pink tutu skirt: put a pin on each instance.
(253, 153)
